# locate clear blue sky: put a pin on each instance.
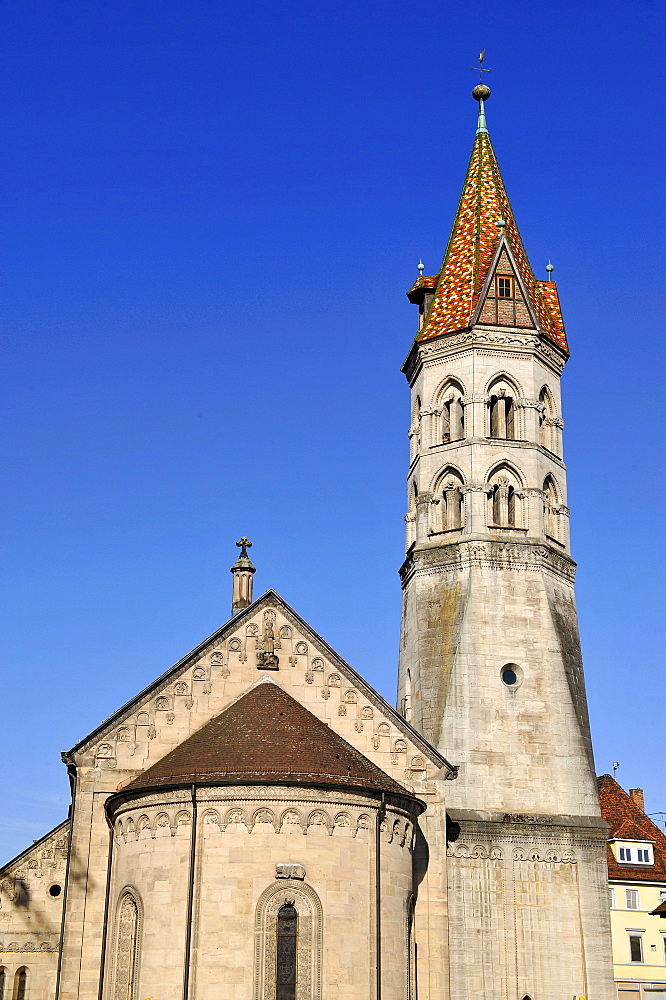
(211, 214)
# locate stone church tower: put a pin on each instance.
(490, 663)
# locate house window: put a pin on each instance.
(662, 895)
(611, 892)
(644, 856)
(504, 287)
(625, 854)
(663, 941)
(632, 899)
(20, 984)
(285, 971)
(636, 947)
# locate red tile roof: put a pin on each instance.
(628, 822)
(474, 239)
(266, 737)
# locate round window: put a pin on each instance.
(511, 675)
(55, 890)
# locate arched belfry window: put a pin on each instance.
(504, 500)
(20, 984)
(449, 508)
(288, 942)
(415, 430)
(3, 981)
(549, 424)
(285, 965)
(452, 413)
(550, 509)
(127, 946)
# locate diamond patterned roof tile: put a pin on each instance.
(472, 245)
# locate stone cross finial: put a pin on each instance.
(243, 544)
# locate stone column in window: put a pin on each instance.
(501, 504)
(452, 500)
(501, 414)
(455, 418)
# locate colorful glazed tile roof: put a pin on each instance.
(424, 283)
(627, 821)
(472, 245)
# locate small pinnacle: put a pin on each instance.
(420, 268)
(550, 269)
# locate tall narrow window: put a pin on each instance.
(285, 972)
(504, 287)
(453, 415)
(2, 983)
(20, 984)
(126, 951)
(636, 947)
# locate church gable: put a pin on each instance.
(31, 897)
(504, 303)
(267, 638)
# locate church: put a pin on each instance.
(260, 824)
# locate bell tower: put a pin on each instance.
(490, 664)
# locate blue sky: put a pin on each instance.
(212, 212)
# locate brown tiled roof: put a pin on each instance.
(659, 910)
(473, 243)
(266, 737)
(628, 822)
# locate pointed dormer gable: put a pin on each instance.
(485, 217)
(503, 300)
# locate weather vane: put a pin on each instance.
(480, 68)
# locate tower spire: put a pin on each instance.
(483, 220)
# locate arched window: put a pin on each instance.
(20, 984)
(288, 942)
(550, 504)
(415, 430)
(452, 414)
(502, 416)
(285, 965)
(127, 942)
(504, 500)
(450, 507)
(549, 425)
(3, 978)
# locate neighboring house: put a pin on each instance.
(637, 880)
